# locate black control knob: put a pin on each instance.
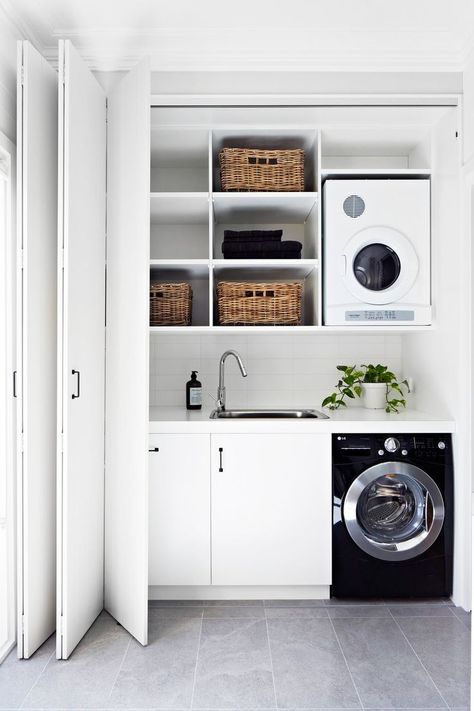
(391, 444)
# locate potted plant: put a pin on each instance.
(377, 385)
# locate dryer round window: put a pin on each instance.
(376, 267)
(382, 265)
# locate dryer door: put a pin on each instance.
(393, 511)
(382, 265)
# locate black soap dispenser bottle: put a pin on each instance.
(193, 393)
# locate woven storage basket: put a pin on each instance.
(250, 303)
(251, 169)
(170, 304)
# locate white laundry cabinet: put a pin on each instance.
(134, 182)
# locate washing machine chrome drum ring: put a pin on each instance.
(393, 511)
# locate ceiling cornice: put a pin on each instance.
(275, 49)
(21, 27)
(228, 50)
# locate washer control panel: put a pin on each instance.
(432, 447)
(392, 444)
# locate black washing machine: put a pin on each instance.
(392, 515)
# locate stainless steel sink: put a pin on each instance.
(269, 414)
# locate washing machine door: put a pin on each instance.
(393, 511)
(380, 265)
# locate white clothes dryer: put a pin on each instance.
(376, 251)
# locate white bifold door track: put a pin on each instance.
(84, 524)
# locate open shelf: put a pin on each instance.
(383, 148)
(179, 208)
(196, 273)
(179, 158)
(269, 139)
(246, 268)
(375, 173)
(262, 208)
(292, 270)
(179, 225)
(295, 213)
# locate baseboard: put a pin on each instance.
(5, 649)
(238, 592)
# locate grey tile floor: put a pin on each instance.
(290, 655)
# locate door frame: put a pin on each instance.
(7, 437)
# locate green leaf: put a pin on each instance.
(341, 367)
(327, 400)
(358, 390)
(349, 393)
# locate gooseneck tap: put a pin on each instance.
(221, 387)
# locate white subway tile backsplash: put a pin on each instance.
(284, 370)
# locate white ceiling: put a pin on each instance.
(255, 34)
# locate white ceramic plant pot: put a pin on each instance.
(373, 395)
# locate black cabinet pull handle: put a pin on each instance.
(14, 383)
(221, 468)
(78, 394)
(155, 449)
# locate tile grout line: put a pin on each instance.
(197, 659)
(271, 656)
(416, 655)
(345, 661)
(22, 705)
(120, 666)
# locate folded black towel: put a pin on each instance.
(251, 235)
(262, 250)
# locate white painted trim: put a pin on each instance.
(305, 100)
(238, 592)
(303, 49)
(7, 153)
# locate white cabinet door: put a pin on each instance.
(127, 416)
(271, 509)
(81, 348)
(37, 142)
(180, 497)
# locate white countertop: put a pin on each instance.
(353, 419)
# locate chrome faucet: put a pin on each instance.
(221, 388)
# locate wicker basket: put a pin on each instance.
(251, 169)
(170, 304)
(251, 303)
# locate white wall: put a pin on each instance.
(284, 370)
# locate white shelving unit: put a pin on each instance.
(190, 213)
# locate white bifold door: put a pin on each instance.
(81, 349)
(102, 455)
(37, 141)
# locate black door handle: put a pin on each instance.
(155, 449)
(14, 383)
(221, 468)
(78, 394)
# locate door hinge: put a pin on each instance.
(61, 626)
(61, 258)
(21, 258)
(22, 623)
(22, 75)
(21, 442)
(61, 442)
